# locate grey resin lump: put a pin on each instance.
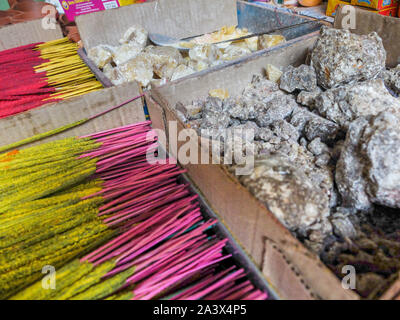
(340, 57)
(312, 125)
(301, 78)
(368, 170)
(392, 79)
(344, 104)
(290, 195)
(307, 98)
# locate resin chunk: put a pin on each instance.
(340, 57)
(345, 104)
(101, 55)
(301, 78)
(368, 170)
(135, 36)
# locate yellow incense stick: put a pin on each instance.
(65, 70)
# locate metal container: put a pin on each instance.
(254, 17)
(258, 18)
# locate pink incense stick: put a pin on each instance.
(162, 232)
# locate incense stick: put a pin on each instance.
(66, 127)
(33, 75)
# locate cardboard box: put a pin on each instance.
(186, 18)
(388, 29)
(28, 32)
(385, 11)
(333, 5)
(389, 12)
(175, 18)
(375, 4)
(293, 271)
(73, 8)
(55, 115)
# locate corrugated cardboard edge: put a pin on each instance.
(177, 18)
(55, 115)
(26, 33)
(254, 227)
(366, 22)
(241, 257)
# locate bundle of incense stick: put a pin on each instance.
(39, 73)
(62, 199)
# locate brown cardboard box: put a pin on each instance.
(388, 29)
(185, 18)
(294, 271)
(23, 33)
(55, 115)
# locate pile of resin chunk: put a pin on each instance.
(136, 59)
(374, 252)
(281, 127)
(326, 144)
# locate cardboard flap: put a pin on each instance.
(291, 283)
(52, 116)
(393, 293)
(176, 18)
(367, 21)
(26, 33)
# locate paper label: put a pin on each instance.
(75, 8)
